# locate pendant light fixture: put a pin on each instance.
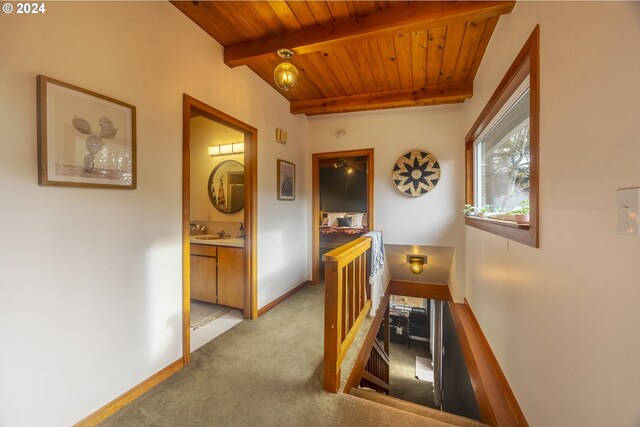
(285, 74)
(416, 263)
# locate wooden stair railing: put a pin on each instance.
(346, 304)
(371, 368)
(376, 372)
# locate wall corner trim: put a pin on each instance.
(282, 297)
(131, 395)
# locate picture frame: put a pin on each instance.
(286, 180)
(84, 139)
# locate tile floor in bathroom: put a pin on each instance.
(206, 333)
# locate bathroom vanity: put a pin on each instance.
(217, 270)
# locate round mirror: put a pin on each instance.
(226, 187)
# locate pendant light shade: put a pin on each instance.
(285, 74)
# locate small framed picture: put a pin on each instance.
(286, 180)
(84, 139)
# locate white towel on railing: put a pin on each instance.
(377, 252)
(379, 277)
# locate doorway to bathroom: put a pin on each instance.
(219, 214)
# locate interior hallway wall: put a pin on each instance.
(91, 279)
(432, 219)
(562, 319)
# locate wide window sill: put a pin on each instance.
(511, 224)
(522, 233)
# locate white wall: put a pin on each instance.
(90, 279)
(433, 219)
(563, 319)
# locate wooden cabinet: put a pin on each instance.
(231, 276)
(217, 275)
(399, 327)
(203, 273)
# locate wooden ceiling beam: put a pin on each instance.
(419, 15)
(395, 98)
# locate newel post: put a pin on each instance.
(332, 326)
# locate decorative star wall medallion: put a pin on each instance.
(416, 173)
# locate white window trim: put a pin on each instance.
(506, 108)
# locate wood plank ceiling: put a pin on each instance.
(357, 55)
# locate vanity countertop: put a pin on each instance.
(234, 242)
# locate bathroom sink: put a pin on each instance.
(212, 237)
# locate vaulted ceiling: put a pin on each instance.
(357, 55)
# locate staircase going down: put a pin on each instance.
(432, 417)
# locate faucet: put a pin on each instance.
(221, 232)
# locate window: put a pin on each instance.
(502, 158)
(405, 303)
(502, 152)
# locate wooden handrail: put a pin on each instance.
(348, 251)
(345, 305)
(496, 401)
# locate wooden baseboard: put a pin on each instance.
(496, 401)
(131, 395)
(282, 297)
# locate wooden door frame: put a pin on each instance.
(250, 210)
(315, 214)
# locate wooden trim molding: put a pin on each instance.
(131, 395)
(454, 93)
(191, 108)
(479, 221)
(282, 297)
(186, 234)
(315, 214)
(496, 401)
(526, 63)
(420, 290)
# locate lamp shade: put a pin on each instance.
(416, 266)
(286, 75)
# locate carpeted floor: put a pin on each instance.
(402, 374)
(265, 372)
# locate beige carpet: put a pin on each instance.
(402, 374)
(265, 372)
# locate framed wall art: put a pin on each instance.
(416, 173)
(84, 139)
(286, 180)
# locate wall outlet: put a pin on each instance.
(628, 210)
(281, 136)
